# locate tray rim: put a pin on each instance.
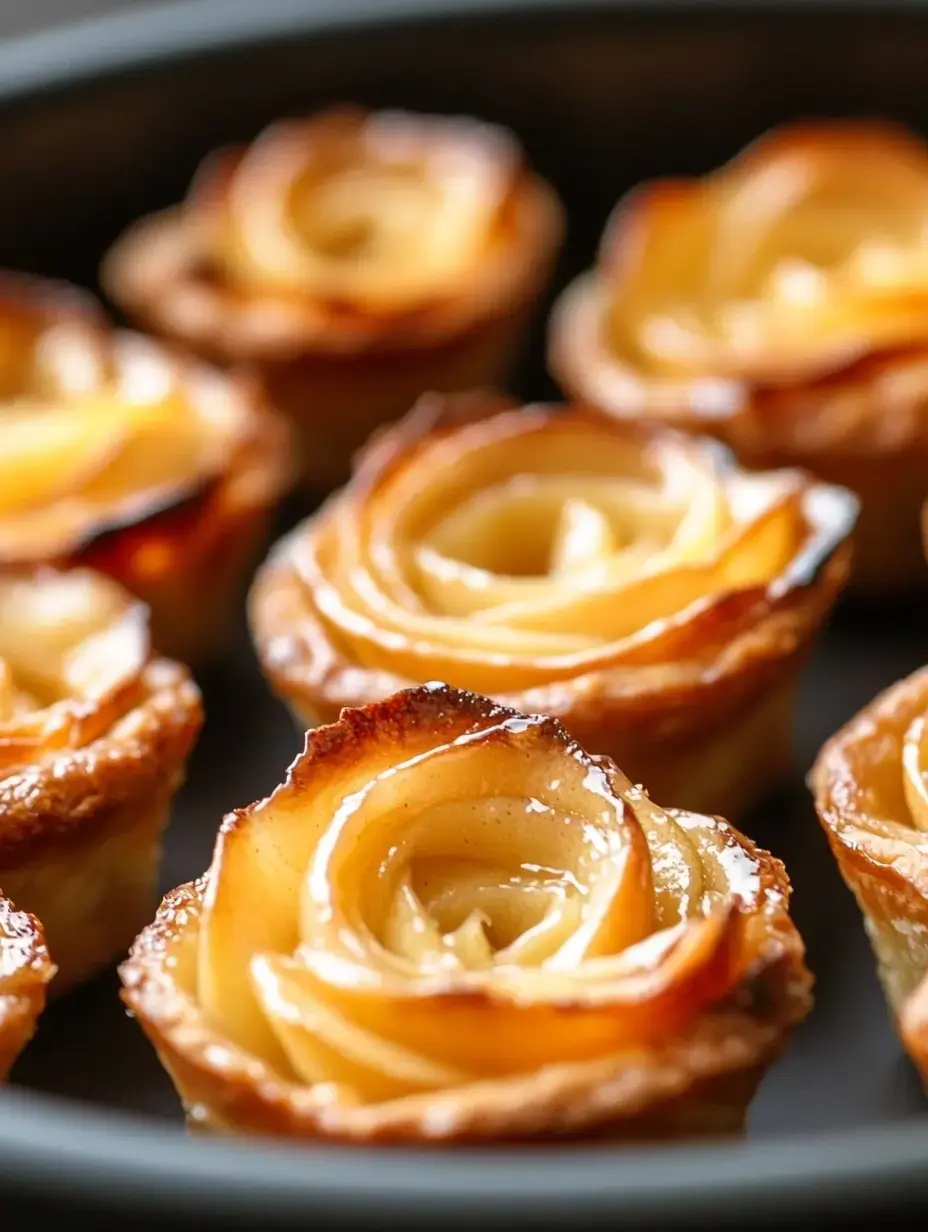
(48, 1143)
(120, 41)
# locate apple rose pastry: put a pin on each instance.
(25, 971)
(451, 922)
(628, 580)
(352, 260)
(780, 303)
(94, 737)
(871, 791)
(114, 454)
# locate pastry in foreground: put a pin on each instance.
(94, 738)
(780, 303)
(25, 970)
(871, 792)
(352, 260)
(631, 581)
(450, 922)
(114, 453)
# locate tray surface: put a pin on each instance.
(601, 98)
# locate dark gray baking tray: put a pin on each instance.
(107, 120)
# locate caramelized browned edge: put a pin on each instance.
(746, 1031)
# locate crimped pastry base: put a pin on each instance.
(887, 874)
(25, 970)
(336, 402)
(722, 772)
(93, 894)
(80, 834)
(19, 1015)
(900, 944)
(897, 927)
(714, 1108)
(694, 1085)
(733, 767)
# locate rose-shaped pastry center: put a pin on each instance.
(382, 210)
(72, 648)
(93, 435)
(805, 252)
(460, 893)
(531, 546)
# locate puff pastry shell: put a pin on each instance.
(115, 454)
(871, 792)
(780, 303)
(628, 580)
(25, 970)
(450, 922)
(352, 260)
(94, 737)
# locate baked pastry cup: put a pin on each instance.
(629, 580)
(870, 783)
(352, 260)
(116, 454)
(451, 922)
(94, 738)
(781, 304)
(25, 970)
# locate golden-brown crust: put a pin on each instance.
(721, 676)
(658, 1084)
(200, 518)
(859, 784)
(75, 793)
(337, 364)
(162, 271)
(87, 779)
(25, 971)
(873, 407)
(851, 406)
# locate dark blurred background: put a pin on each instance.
(672, 93)
(27, 16)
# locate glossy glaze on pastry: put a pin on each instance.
(25, 970)
(450, 922)
(628, 580)
(871, 792)
(780, 303)
(352, 260)
(115, 454)
(94, 739)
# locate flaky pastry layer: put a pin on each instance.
(115, 453)
(450, 922)
(351, 260)
(278, 252)
(781, 304)
(94, 738)
(25, 970)
(871, 792)
(630, 581)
